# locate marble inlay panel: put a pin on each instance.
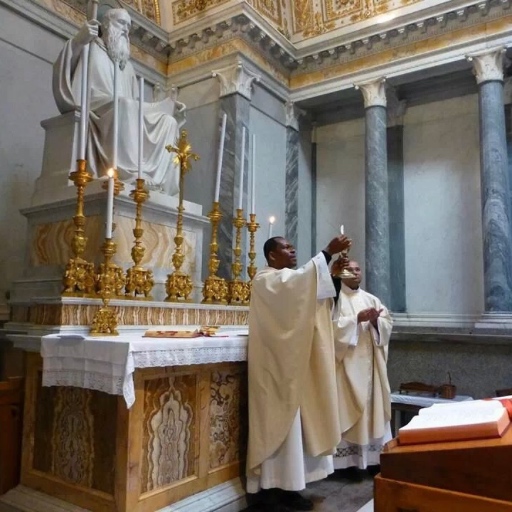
(51, 243)
(227, 414)
(72, 436)
(135, 313)
(169, 445)
(292, 185)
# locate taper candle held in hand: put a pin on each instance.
(271, 221)
(141, 125)
(220, 156)
(242, 168)
(110, 203)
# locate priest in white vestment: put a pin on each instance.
(293, 408)
(362, 329)
(160, 127)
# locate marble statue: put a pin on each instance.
(162, 119)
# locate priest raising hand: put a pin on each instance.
(293, 407)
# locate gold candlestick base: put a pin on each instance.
(215, 290)
(139, 280)
(78, 279)
(110, 282)
(178, 287)
(239, 292)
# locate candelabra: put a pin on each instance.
(252, 227)
(78, 277)
(110, 281)
(238, 289)
(215, 289)
(179, 284)
(139, 280)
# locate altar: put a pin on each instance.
(132, 423)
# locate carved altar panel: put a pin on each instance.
(169, 443)
(73, 436)
(228, 413)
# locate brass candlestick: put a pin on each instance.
(139, 280)
(179, 284)
(238, 289)
(252, 227)
(108, 283)
(215, 289)
(78, 277)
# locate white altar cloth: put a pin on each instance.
(107, 363)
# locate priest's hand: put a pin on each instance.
(338, 265)
(338, 244)
(369, 315)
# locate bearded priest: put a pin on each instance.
(293, 407)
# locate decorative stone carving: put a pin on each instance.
(374, 92)
(292, 114)
(488, 65)
(236, 79)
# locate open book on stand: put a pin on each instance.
(478, 419)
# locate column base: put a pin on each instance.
(227, 497)
(495, 321)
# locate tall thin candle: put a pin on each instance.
(242, 168)
(116, 115)
(220, 156)
(253, 175)
(110, 204)
(141, 124)
(84, 112)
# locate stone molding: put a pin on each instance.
(374, 93)
(488, 65)
(292, 115)
(236, 78)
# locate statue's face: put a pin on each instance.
(121, 22)
(116, 29)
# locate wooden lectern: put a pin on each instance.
(461, 476)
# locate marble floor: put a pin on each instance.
(336, 494)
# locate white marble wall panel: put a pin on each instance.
(443, 230)
(270, 177)
(26, 56)
(340, 184)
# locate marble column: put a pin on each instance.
(314, 167)
(236, 83)
(488, 69)
(292, 172)
(376, 190)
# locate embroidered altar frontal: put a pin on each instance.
(185, 433)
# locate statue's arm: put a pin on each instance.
(87, 33)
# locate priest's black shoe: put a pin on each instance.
(373, 470)
(296, 501)
(353, 474)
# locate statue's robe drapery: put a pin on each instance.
(362, 381)
(292, 382)
(160, 126)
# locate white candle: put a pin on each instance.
(253, 175)
(242, 168)
(342, 229)
(271, 221)
(84, 113)
(221, 154)
(141, 123)
(116, 115)
(110, 204)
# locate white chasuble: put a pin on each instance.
(362, 382)
(293, 412)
